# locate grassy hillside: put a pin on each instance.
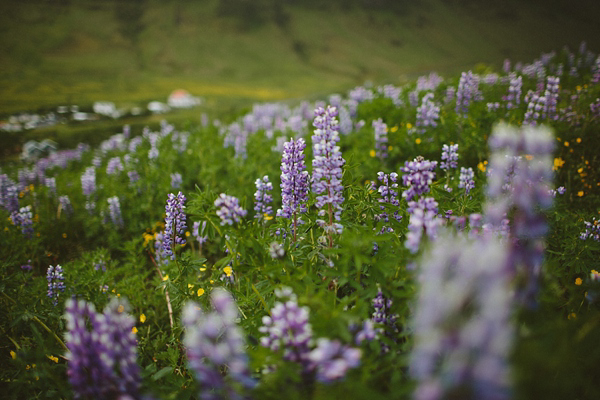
(64, 52)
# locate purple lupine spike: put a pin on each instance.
(384, 318)
(331, 360)
(551, 95)
(56, 282)
(423, 219)
(466, 179)
(114, 209)
(133, 176)
(114, 166)
(263, 198)
(294, 183)
(536, 109)
(237, 137)
(513, 99)
(101, 361)
(381, 139)
(198, 232)
(449, 156)
(213, 342)
(23, 219)
(230, 210)
(9, 194)
(427, 113)
(462, 321)
(596, 71)
(174, 223)
(88, 181)
(388, 190)
(50, 183)
(418, 176)
(592, 230)
(468, 91)
(176, 180)
(288, 329)
(327, 171)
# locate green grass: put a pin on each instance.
(53, 54)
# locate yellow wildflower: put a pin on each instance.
(390, 148)
(372, 153)
(134, 330)
(228, 271)
(566, 144)
(187, 234)
(267, 217)
(64, 235)
(418, 140)
(578, 140)
(481, 167)
(166, 277)
(52, 358)
(558, 163)
(200, 292)
(394, 128)
(580, 193)
(190, 286)
(572, 316)
(142, 318)
(13, 355)
(578, 281)
(529, 157)
(408, 125)
(121, 308)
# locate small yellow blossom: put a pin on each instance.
(21, 195)
(13, 355)
(36, 218)
(566, 143)
(580, 193)
(38, 234)
(572, 316)
(64, 235)
(52, 358)
(408, 125)
(394, 128)
(31, 187)
(578, 140)
(211, 282)
(559, 139)
(529, 157)
(202, 269)
(481, 167)
(390, 148)
(558, 163)
(578, 281)
(228, 271)
(418, 140)
(143, 318)
(134, 330)
(190, 286)
(200, 292)
(187, 234)
(166, 277)
(267, 217)
(372, 153)
(121, 308)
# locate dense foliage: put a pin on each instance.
(230, 261)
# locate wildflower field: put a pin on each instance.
(437, 240)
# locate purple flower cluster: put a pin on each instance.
(174, 223)
(468, 91)
(388, 190)
(418, 175)
(133, 176)
(88, 181)
(176, 180)
(56, 282)
(230, 210)
(198, 232)
(101, 361)
(114, 166)
(551, 95)
(427, 113)
(327, 169)
(467, 179)
(513, 99)
(50, 183)
(9, 194)
(215, 343)
(294, 181)
(536, 108)
(263, 198)
(592, 230)
(381, 138)
(331, 360)
(462, 322)
(449, 156)
(23, 220)
(114, 209)
(383, 318)
(423, 218)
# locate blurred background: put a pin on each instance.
(229, 53)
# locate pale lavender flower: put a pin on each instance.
(263, 198)
(198, 232)
(466, 179)
(50, 183)
(331, 360)
(388, 190)
(214, 342)
(327, 170)
(23, 219)
(513, 99)
(276, 250)
(27, 267)
(102, 351)
(56, 282)
(468, 92)
(176, 180)
(294, 182)
(114, 166)
(423, 219)
(551, 95)
(427, 113)
(536, 108)
(592, 230)
(418, 176)
(133, 176)
(381, 139)
(88, 181)
(114, 209)
(449, 156)
(174, 223)
(229, 209)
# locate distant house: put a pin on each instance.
(33, 150)
(181, 98)
(106, 108)
(156, 107)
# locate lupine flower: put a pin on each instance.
(176, 180)
(50, 183)
(367, 332)
(429, 82)
(450, 94)
(88, 181)
(418, 175)
(381, 139)
(101, 361)
(513, 99)
(237, 137)
(462, 322)
(56, 282)
(466, 179)
(214, 342)
(114, 209)
(294, 182)
(332, 360)
(114, 166)
(263, 198)
(520, 185)
(468, 91)
(536, 108)
(9, 194)
(423, 218)
(23, 220)
(551, 95)
(449, 156)
(288, 328)
(276, 250)
(174, 223)
(592, 230)
(230, 210)
(133, 176)
(327, 170)
(198, 232)
(388, 190)
(159, 251)
(27, 267)
(427, 113)
(384, 318)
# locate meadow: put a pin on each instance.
(435, 240)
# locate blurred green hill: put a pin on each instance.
(56, 52)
